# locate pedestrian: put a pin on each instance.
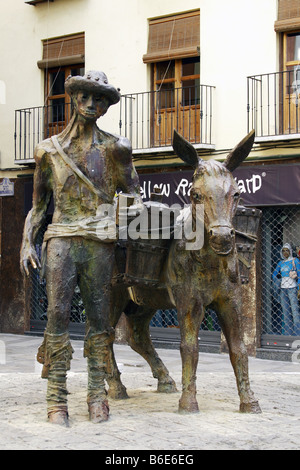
(289, 271)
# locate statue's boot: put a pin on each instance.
(55, 354)
(96, 349)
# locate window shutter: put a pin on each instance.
(288, 15)
(65, 50)
(173, 37)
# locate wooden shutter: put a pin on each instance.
(65, 50)
(173, 37)
(288, 15)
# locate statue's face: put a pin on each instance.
(91, 106)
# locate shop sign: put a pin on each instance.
(6, 187)
(259, 186)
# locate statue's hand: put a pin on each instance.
(29, 256)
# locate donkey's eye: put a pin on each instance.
(197, 196)
(236, 196)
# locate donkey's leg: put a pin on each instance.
(189, 317)
(138, 321)
(230, 321)
(117, 389)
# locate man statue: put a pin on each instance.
(81, 168)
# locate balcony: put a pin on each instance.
(146, 119)
(32, 125)
(273, 105)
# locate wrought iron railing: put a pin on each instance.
(146, 119)
(273, 103)
(32, 125)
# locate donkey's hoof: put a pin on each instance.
(59, 417)
(99, 411)
(167, 387)
(118, 393)
(188, 406)
(250, 407)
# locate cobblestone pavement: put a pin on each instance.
(148, 420)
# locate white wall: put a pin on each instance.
(237, 39)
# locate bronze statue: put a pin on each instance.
(81, 168)
(192, 280)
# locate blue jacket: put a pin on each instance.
(284, 267)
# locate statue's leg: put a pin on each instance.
(228, 311)
(190, 314)
(97, 350)
(117, 389)
(95, 287)
(56, 351)
(138, 320)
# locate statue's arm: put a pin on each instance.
(36, 216)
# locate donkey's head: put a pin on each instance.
(214, 187)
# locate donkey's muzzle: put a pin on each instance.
(221, 239)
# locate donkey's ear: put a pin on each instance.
(240, 152)
(185, 150)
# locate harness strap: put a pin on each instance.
(78, 172)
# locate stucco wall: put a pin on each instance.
(237, 39)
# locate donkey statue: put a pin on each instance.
(192, 280)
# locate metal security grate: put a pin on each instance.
(168, 319)
(39, 302)
(279, 225)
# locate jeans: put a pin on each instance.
(290, 311)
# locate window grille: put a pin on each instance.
(279, 225)
(39, 303)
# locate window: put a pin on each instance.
(62, 56)
(57, 102)
(291, 81)
(279, 225)
(190, 79)
(288, 25)
(174, 74)
(173, 52)
(176, 99)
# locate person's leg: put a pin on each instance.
(286, 312)
(292, 293)
(95, 287)
(56, 351)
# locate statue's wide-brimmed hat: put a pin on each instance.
(92, 82)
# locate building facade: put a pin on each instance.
(213, 71)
